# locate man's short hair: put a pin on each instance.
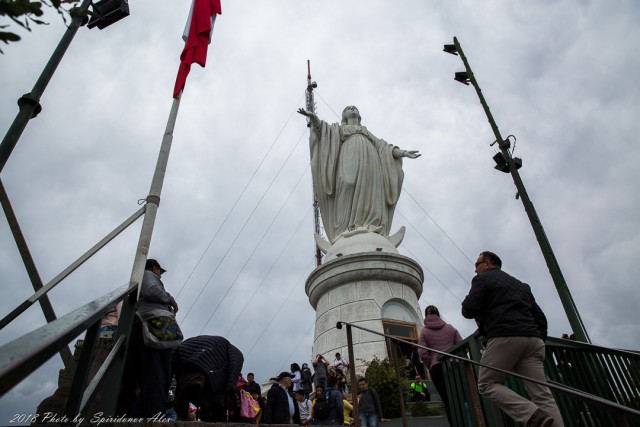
(363, 380)
(492, 258)
(300, 392)
(250, 373)
(284, 375)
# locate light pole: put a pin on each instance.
(506, 163)
(105, 12)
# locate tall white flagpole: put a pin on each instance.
(153, 199)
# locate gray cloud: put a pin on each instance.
(556, 75)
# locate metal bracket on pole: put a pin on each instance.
(153, 199)
(28, 100)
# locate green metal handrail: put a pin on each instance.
(22, 356)
(464, 398)
(612, 375)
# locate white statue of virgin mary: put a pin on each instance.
(357, 176)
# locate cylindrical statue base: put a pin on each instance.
(371, 289)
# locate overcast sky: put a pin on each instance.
(560, 76)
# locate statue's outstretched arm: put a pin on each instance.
(314, 119)
(412, 154)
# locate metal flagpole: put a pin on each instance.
(125, 324)
(153, 199)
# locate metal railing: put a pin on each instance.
(598, 387)
(21, 357)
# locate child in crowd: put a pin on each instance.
(304, 407)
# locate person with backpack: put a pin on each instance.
(328, 408)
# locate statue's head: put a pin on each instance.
(350, 111)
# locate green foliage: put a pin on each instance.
(381, 376)
(25, 12)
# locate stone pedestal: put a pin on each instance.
(363, 288)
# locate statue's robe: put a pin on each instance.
(356, 178)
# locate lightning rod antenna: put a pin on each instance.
(311, 106)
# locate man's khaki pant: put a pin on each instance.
(524, 356)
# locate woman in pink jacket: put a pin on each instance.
(438, 335)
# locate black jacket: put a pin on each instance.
(219, 361)
(252, 388)
(276, 410)
(503, 306)
(370, 402)
(306, 381)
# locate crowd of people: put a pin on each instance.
(331, 403)
(319, 398)
(504, 309)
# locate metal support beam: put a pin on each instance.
(30, 265)
(43, 291)
(81, 374)
(547, 252)
(100, 376)
(354, 380)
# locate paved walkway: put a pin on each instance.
(418, 422)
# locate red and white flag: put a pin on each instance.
(197, 36)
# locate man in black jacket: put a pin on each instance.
(515, 328)
(281, 408)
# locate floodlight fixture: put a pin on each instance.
(502, 165)
(106, 12)
(462, 77)
(450, 48)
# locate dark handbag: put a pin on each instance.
(160, 329)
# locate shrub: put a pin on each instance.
(381, 376)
